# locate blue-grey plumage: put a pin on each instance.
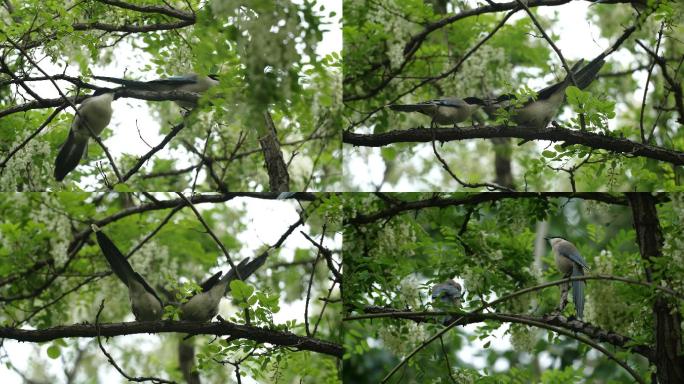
(445, 111)
(538, 113)
(93, 116)
(203, 306)
(570, 263)
(145, 303)
(190, 82)
(449, 293)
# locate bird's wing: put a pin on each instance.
(210, 282)
(547, 92)
(175, 81)
(449, 102)
(120, 266)
(125, 82)
(573, 254)
(587, 74)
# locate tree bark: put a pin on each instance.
(668, 357)
(279, 179)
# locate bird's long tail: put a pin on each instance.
(69, 155)
(117, 261)
(578, 291)
(586, 75)
(407, 107)
(246, 268)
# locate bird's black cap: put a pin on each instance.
(102, 91)
(549, 237)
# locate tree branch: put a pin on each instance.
(568, 136)
(258, 334)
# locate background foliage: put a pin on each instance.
(494, 248)
(42, 286)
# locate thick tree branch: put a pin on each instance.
(121, 92)
(258, 334)
(573, 325)
(568, 136)
(164, 10)
(400, 206)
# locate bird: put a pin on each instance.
(444, 111)
(92, 116)
(203, 306)
(449, 293)
(570, 263)
(145, 303)
(190, 82)
(538, 112)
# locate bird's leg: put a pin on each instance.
(565, 288)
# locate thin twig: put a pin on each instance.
(211, 233)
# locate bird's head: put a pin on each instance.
(553, 240)
(106, 91)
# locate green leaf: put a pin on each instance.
(53, 351)
(240, 290)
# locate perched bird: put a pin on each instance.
(93, 116)
(203, 306)
(570, 263)
(190, 82)
(538, 113)
(449, 294)
(446, 111)
(145, 303)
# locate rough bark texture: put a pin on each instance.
(568, 136)
(668, 357)
(279, 179)
(260, 335)
(502, 162)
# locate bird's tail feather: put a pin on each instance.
(246, 267)
(120, 266)
(578, 291)
(172, 81)
(407, 107)
(69, 155)
(586, 75)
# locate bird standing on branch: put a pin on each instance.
(449, 293)
(92, 116)
(203, 306)
(445, 111)
(570, 263)
(145, 303)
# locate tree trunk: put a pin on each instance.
(668, 357)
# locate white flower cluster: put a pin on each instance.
(394, 240)
(57, 223)
(601, 307)
(153, 261)
(399, 28)
(523, 339)
(402, 341)
(471, 76)
(24, 170)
